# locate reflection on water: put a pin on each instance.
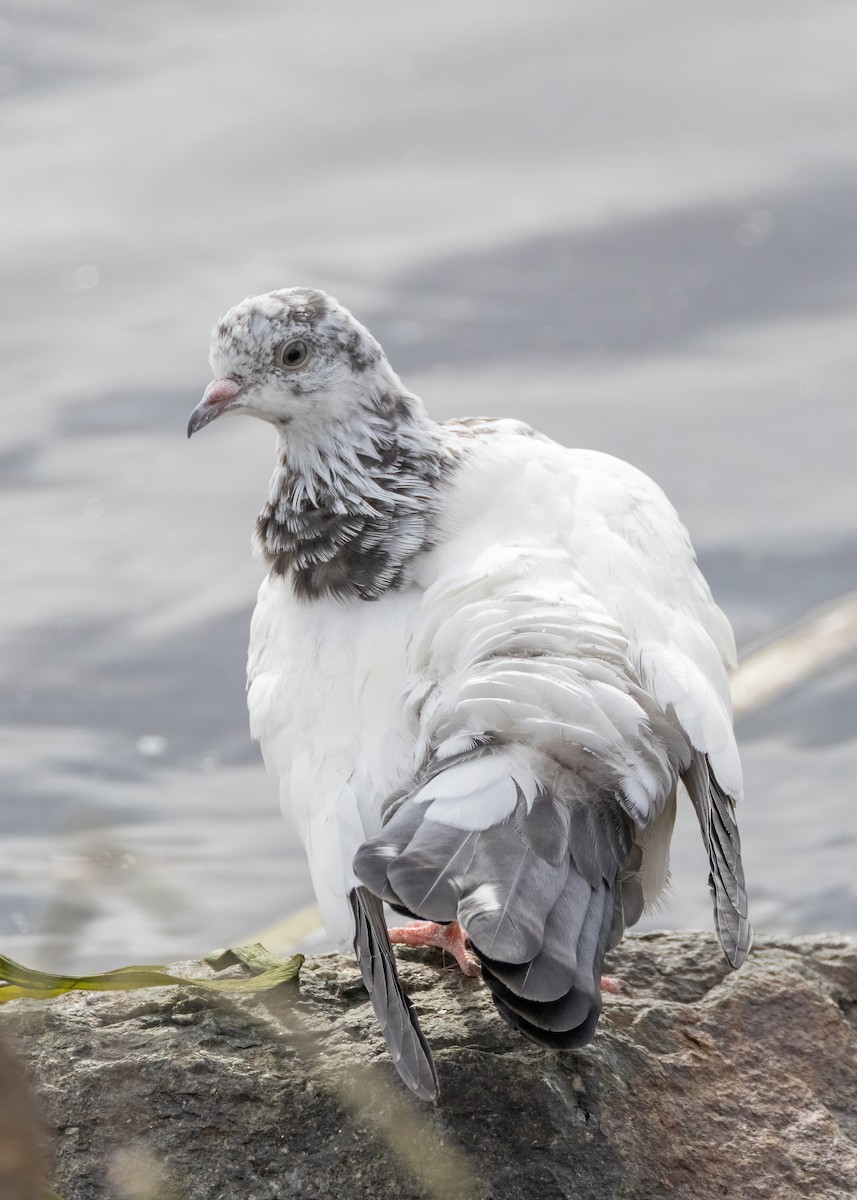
(634, 230)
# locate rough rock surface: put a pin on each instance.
(706, 1083)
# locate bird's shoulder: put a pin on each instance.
(493, 444)
(513, 484)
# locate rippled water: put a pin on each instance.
(633, 226)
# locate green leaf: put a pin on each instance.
(18, 982)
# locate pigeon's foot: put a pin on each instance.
(450, 938)
(616, 987)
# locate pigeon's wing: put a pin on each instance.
(396, 1014)
(542, 760)
(681, 644)
(726, 873)
(630, 542)
(626, 546)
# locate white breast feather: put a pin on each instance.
(325, 685)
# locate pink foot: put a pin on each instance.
(450, 938)
(616, 987)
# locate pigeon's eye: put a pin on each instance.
(293, 355)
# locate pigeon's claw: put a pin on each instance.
(450, 938)
(615, 986)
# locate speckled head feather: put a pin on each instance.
(259, 325)
(354, 496)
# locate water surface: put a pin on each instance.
(633, 227)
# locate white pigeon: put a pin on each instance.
(481, 666)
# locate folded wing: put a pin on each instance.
(546, 765)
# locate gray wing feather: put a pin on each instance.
(507, 895)
(491, 880)
(569, 1022)
(726, 873)
(428, 881)
(551, 973)
(540, 894)
(396, 1015)
(546, 827)
(601, 839)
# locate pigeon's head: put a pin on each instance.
(297, 359)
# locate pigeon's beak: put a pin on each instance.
(221, 395)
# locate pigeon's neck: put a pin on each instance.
(347, 516)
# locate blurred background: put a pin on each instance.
(633, 225)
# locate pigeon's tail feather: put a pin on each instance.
(569, 1021)
(396, 1015)
(539, 892)
(714, 808)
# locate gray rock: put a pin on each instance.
(706, 1083)
(23, 1160)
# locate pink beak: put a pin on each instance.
(221, 395)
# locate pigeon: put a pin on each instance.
(482, 667)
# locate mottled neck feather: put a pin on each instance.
(346, 518)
